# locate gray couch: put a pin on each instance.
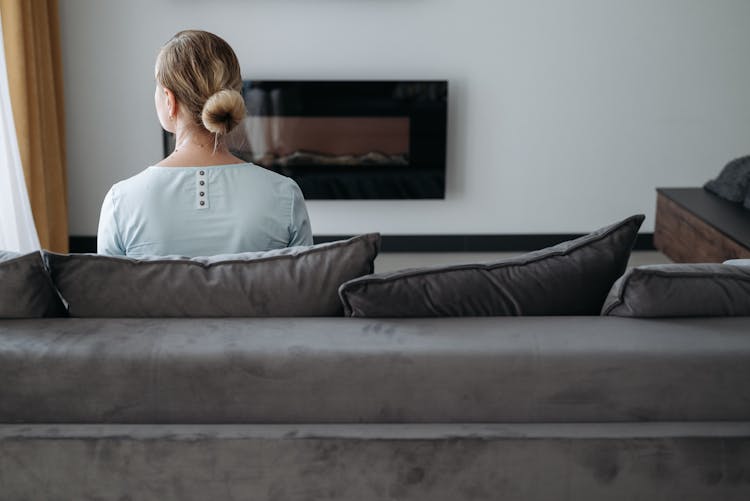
(512, 408)
(284, 375)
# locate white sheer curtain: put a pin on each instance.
(17, 230)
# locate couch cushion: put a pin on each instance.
(571, 278)
(681, 290)
(345, 370)
(296, 281)
(26, 290)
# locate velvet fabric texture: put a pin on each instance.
(580, 462)
(351, 370)
(296, 281)
(681, 290)
(571, 278)
(26, 290)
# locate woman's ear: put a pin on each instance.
(171, 103)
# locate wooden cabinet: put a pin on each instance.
(693, 226)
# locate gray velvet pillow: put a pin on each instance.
(733, 182)
(571, 278)
(26, 290)
(681, 290)
(296, 281)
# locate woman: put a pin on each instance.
(201, 200)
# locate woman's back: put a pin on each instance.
(201, 200)
(201, 211)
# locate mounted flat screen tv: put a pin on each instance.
(347, 139)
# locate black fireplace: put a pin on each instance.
(347, 139)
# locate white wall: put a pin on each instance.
(564, 115)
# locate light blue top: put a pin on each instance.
(202, 211)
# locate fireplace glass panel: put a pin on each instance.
(347, 140)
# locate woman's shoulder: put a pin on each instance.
(239, 174)
(128, 184)
(270, 177)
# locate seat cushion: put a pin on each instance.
(343, 370)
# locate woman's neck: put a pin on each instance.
(198, 148)
(192, 137)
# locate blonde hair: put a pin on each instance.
(202, 71)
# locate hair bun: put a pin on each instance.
(223, 111)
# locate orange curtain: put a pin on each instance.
(31, 35)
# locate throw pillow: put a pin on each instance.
(571, 278)
(681, 290)
(296, 281)
(26, 290)
(733, 183)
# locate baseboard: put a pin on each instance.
(437, 243)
